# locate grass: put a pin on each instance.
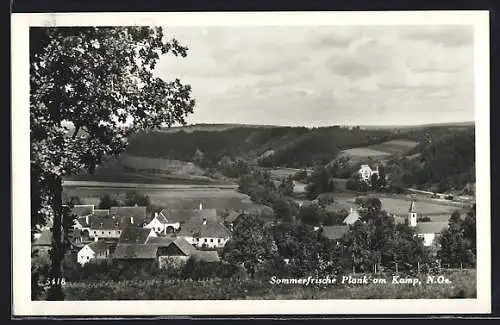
(172, 198)
(379, 151)
(463, 285)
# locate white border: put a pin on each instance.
(22, 305)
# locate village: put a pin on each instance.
(171, 236)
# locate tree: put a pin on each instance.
(134, 198)
(107, 202)
(251, 244)
(458, 241)
(286, 187)
(320, 181)
(90, 88)
(312, 214)
(198, 158)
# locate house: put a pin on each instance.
(183, 215)
(161, 225)
(366, 172)
(352, 217)
(96, 251)
(175, 254)
(231, 217)
(106, 226)
(428, 231)
(134, 235)
(101, 212)
(138, 213)
(205, 256)
(135, 252)
(201, 231)
(169, 252)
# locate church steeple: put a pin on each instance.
(412, 214)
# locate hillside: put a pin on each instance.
(295, 147)
(444, 162)
(279, 146)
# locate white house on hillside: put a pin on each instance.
(366, 172)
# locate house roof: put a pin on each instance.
(183, 246)
(101, 212)
(232, 216)
(206, 256)
(45, 239)
(412, 207)
(134, 235)
(160, 241)
(83, 220)
(183, 215)
(352, 217)
(335, 232)
(83, 209)
(161, 218)
(195, 227)
(135, 251)
(433, 227)
(98, 246)
(136, 212)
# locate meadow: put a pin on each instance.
(462, 285)
(379, 151)
(180, 198)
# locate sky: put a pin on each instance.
(326, 75)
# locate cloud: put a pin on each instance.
(453, 36)
(345, 74)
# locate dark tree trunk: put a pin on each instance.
(55, 291)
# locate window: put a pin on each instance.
(119, 232)
(95, 232)
(205, 240)
(211, 240)
(88, 258)
(102, 232)
(109, 232)
(220, 240)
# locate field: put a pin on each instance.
(379, 151)
(463, 285)
(134, 169)
(399, 204)
(178, 198)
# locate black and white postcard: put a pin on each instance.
(251, 163)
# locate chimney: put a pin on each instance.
(87, 219)
(132, 220)
(351, 210)
(96, 238)
(156, 214)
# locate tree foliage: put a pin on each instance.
(91, 88)
(458, 241)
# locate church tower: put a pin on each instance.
(412, 215)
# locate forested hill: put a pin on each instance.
(272, 146)
(287, 146)
(447, 161)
